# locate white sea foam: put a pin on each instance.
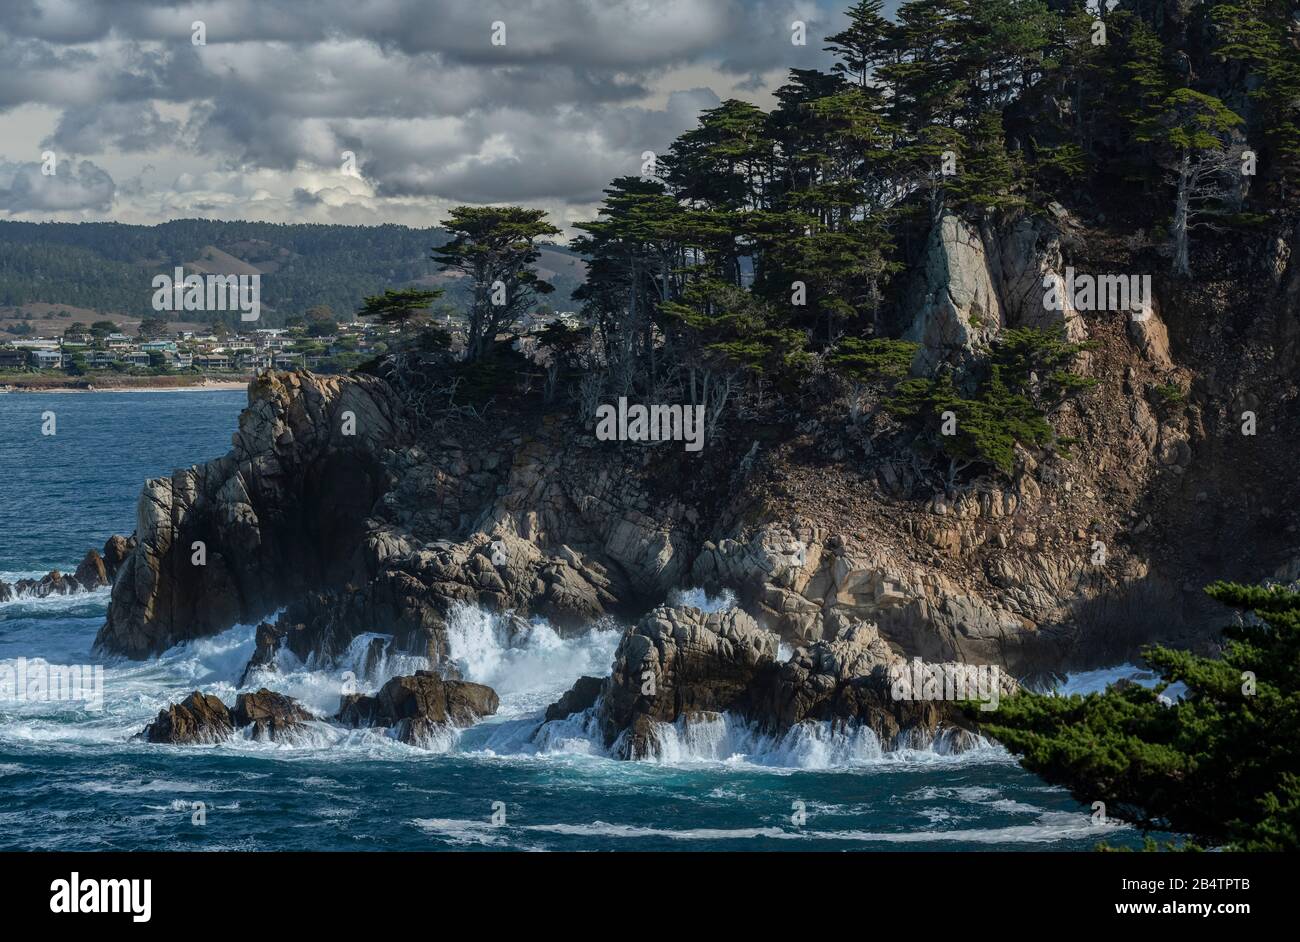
(1050, 827)
(698, 598)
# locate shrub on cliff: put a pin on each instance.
(1221, 763)
(1027, 375)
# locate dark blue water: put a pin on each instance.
(71, 777)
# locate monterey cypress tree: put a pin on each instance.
(1218, 762)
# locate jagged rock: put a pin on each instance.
(680, 664)
(280, 514)
(857, 679)
(92, 573)
(272, 716)
(52, 583)
(266, 644)
(581, 696)
(418, 707)
(198, 719)
(202, 719)
(677, 661)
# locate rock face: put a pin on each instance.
(955, 308)
(202, 719)
(681, 664)
(421, 707)
(238, 537)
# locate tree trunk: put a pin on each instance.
(1182, 262)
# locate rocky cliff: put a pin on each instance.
(1071, 560)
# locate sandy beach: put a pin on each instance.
(221, 385)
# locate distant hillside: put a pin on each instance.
(107, 267)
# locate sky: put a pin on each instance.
(256, 122)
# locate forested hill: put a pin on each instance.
(108, 266)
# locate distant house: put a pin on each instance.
(288, 361)
(183, 361)
(212, 361)
(160, 346)
(136, 358)
(99, 359)
(13, 359)
(47, 359)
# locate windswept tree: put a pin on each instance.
(495, 247)
(1194, 127)
(402, 308)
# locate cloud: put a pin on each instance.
(72, 187)
(433, 110)
(123, 126)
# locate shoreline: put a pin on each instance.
(221, 385)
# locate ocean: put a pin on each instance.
(72, 778)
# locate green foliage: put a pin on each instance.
(732, 327)
(871, 361)
(1028, 375)
(1220, 763)
(495, 248)
(402, 309)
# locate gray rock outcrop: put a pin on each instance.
(680, 664)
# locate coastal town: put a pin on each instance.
(103, 354)
(102, 349)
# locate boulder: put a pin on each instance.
(581, 696)
(272, 716)
(115, 552)
(419, 707)
(198, 719)
(202, 719)
(92, 573)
